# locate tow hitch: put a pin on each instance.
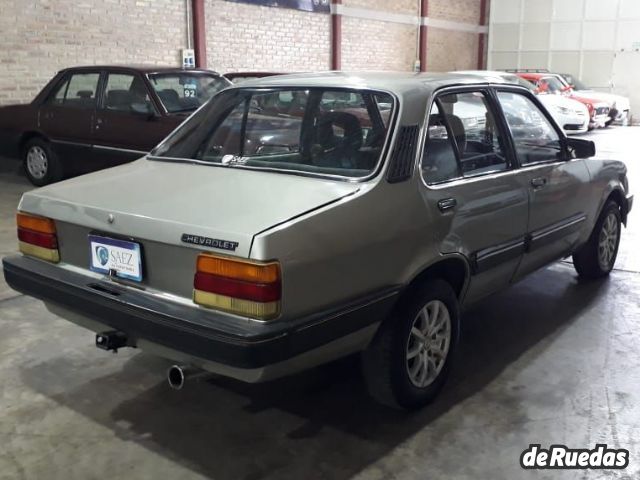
(112, 340)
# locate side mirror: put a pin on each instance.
(579, 148)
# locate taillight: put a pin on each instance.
(247, 288)
(37, 237)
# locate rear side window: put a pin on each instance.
(439, 162)
(126, 93)
(534, 137)
(462, 129)
(316, 130)
(77, 91)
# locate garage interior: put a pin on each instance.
(551, 360)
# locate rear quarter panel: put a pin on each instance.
(376, 239)
(15, 120)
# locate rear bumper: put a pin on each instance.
(231, 346)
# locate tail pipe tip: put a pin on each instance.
(176, 376)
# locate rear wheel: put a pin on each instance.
(40, 163)
(597, 257)
(407, 363)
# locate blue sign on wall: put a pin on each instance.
(321, 6)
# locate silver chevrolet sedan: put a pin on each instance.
(297, 219)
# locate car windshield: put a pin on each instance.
(519, 81)
(186, 91)
(320, 131)
(577, 84)
(550, 85)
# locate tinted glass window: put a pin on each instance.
(439, 162)
(477, 139)
(550, 85)
(534, 137)
(79, 91)
(127, 93)
(181, 92)
(325, 131)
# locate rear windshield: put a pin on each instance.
(316, 130)
(186, 91)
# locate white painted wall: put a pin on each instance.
(596, 40)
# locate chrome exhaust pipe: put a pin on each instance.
(177, 375)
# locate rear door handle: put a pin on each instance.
(447, 204)
(538, 182)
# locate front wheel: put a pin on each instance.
(40, 163)
(408, 361)
(597, 257)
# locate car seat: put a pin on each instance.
(331, 150)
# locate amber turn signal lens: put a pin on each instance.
(239, 270)
(242, 287)
(37, 237)
(35, 223)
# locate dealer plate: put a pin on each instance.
(113, 256)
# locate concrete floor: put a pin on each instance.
(548, 361)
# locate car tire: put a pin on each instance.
(41, 165)
(596, 258)
(394, 363)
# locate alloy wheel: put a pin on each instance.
(608, 241)
(428, 343)
(37, 162)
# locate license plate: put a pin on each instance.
(116, 257)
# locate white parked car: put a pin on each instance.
(571, 115)
(620, 107)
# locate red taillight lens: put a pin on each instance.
(238, 286)
(37, 237)
(44, 240)
(258, 292)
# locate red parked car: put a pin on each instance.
(545, 82)
(89, 118)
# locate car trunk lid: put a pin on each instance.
(163, 202)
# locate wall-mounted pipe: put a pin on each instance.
(482, 37)
(424, 12)
(199, 34)
(336, 36)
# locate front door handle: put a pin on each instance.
(447, 204)
(538, 182)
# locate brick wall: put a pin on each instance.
(375, 45)
(379, 45)
(248, 37)
(465, 11)
(450, 49)
(39, 37)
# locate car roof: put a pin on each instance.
(536, 75)
(251, 74)
(393, 82)
(142, 68)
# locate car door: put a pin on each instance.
(128, 124)
(66, 117)
(557, 185)
(478, 204)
